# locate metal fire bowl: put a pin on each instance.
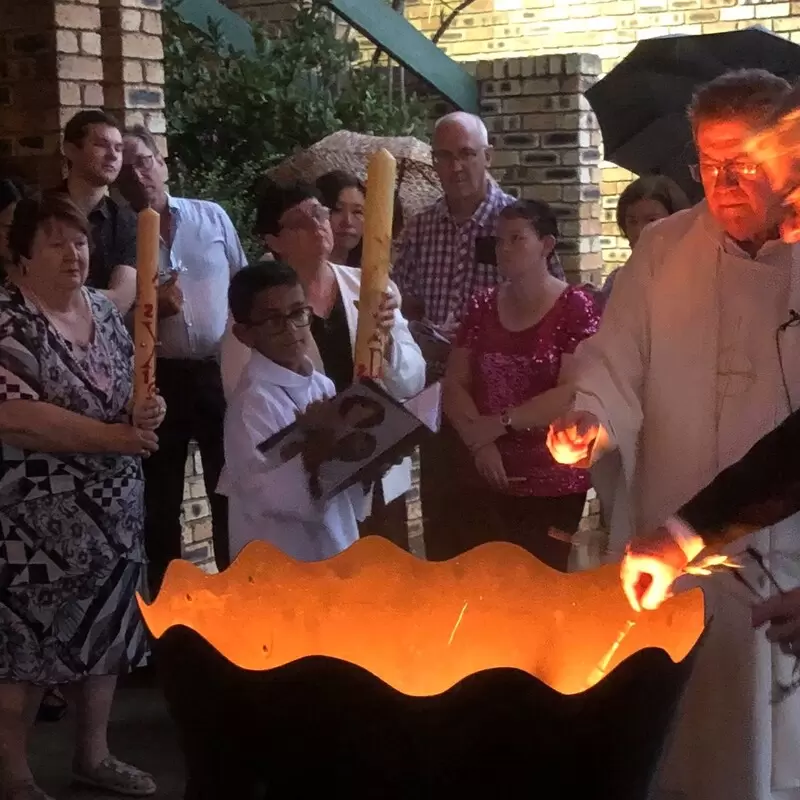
(320, 727)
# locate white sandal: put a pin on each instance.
(113, 775)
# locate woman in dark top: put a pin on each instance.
(295, 225)
(345, 197)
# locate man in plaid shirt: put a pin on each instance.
(448, 251)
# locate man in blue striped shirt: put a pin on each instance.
(200, 252)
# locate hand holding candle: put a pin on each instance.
(373, 304)
(653, 563)
(145, 313)
(571, 438)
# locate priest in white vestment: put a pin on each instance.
(691, 366)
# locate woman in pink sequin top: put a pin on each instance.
(501, 389)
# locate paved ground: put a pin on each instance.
(141, 732)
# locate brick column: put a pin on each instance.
(547, 145)
(50, 67)
(133, 69)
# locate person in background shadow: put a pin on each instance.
(648, 199)
(345, 197)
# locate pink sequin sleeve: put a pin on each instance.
(474, 320)
(582, 317)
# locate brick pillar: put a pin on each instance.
(133, 68)
(50, 67)
(547, 145)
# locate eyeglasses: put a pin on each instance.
(444, 158)
(305, 218)
(276, 324)
(739, 170)
(142, 163)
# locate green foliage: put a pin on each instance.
(231, 115)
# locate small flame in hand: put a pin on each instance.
(710, 564)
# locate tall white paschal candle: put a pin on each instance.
(375, 263)
(146, 312)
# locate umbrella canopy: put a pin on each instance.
(418, 184)
(641, 104)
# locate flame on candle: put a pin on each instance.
(711, 564)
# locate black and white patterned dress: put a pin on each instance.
(71, 541)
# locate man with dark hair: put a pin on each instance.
(200, 252)
(695, 361)
(279, 385)
(93, 149)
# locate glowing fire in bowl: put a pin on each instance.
(420, 626)
(375, 674)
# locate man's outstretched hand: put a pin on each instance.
(653, 563)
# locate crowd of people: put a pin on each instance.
(647, 388)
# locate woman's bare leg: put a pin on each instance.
(93, 699)
(19, 703)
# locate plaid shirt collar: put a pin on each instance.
(484, 215)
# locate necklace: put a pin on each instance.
(76, 326)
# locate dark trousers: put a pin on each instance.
(460, 511)
(527, 521)
(389, 520)
(195, 411)
(445, 491)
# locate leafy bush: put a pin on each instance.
(231, 115)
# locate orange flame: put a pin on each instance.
(711, 564)
(777, 150)
(421, 626)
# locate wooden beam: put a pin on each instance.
(394, 34)
(234, 28)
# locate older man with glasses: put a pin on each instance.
(200, 252)
(694, 362)
(447, 256)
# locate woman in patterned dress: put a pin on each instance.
(71, 498)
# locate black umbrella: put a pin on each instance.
(641, 104)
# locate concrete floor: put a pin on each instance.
(140, 733)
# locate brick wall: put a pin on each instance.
(56, 58)
(133, 68)
(605, 28)
(50, 67)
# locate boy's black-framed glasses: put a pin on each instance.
(276, 324)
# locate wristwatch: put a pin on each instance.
(505, 421)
